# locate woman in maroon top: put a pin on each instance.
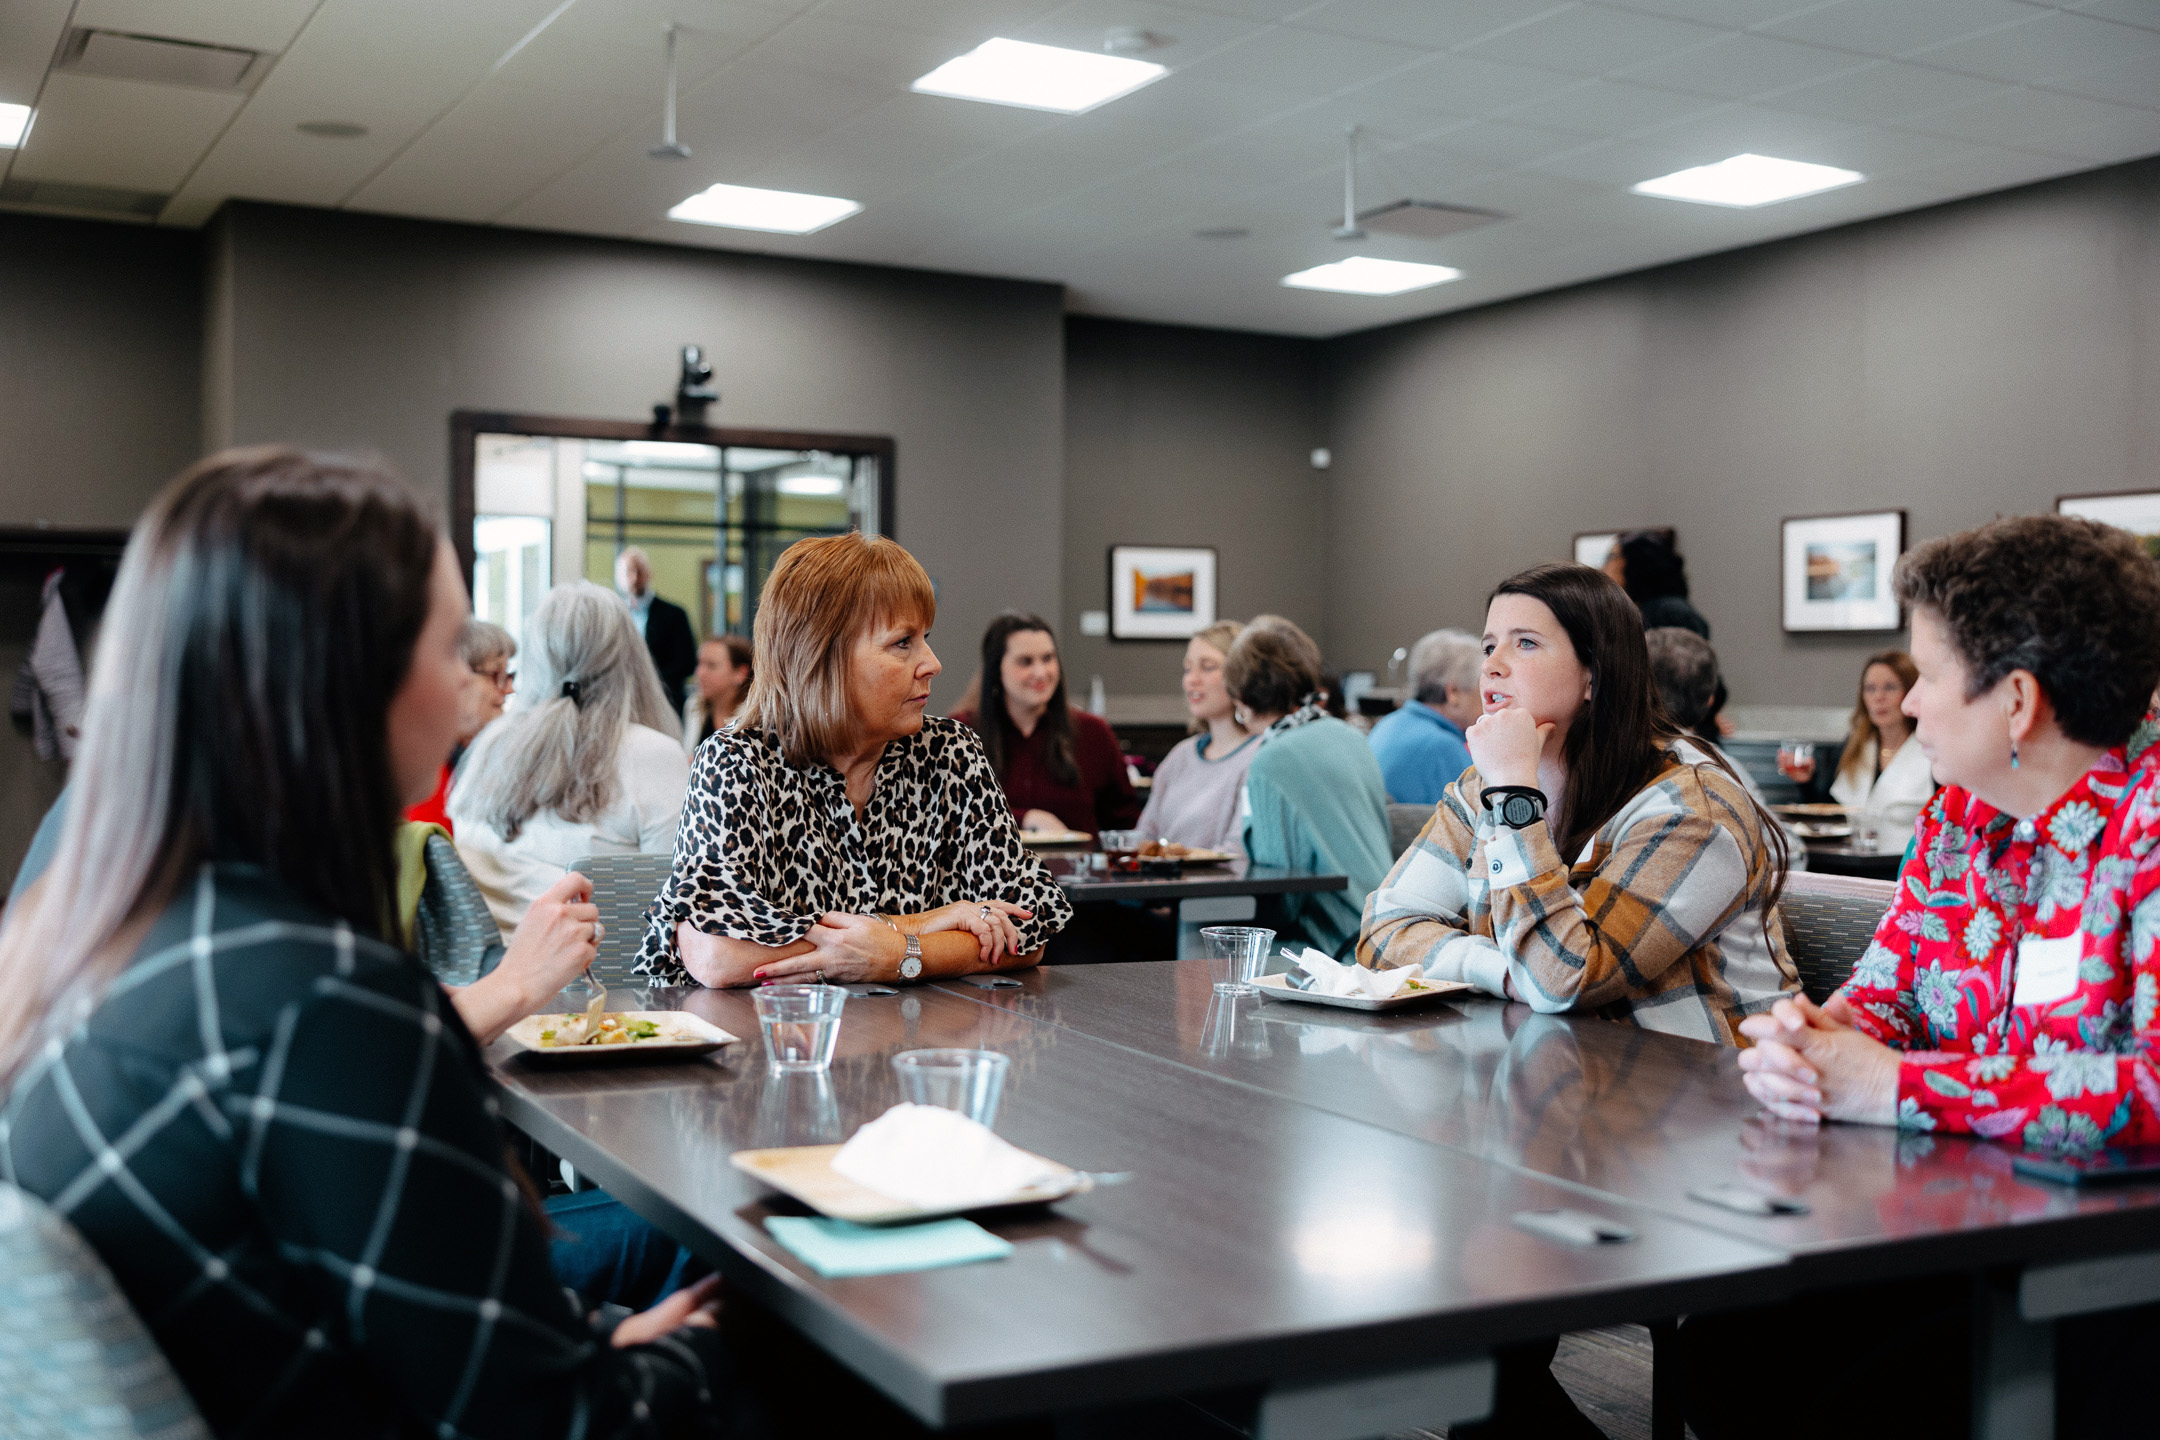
(1061, 768)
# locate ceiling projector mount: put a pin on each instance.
(669, 147)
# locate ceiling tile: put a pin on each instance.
(249, 24)
(1619, 163)
(1501, 142)
(1742, 129)
(1609, 107)
(1185, 35)
(2049, 45)
(2132, 82)
(1460, 85)
(1885, 92)
(1427, 24)
(1300, 62)
(894, 144)
(1177, 112)
(1740, 66)
(2131, 134)
(1874, 27)
(1733, 14)
(875, 54)
(2020, 117)
(121, 133)
(2129, 12)
(966, 23)
(1591, 40)
(30, 32)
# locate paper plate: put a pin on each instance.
(525, 1038)
(805, 1172)
(1276, 987)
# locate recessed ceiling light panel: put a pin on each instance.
(1364, 275)
(779, 212)
(1039, 77)
(1745, 181)
(14, 125)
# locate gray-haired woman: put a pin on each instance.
(586, 763)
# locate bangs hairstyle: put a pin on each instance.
(264, 615)
(821, 596)
(1863, 728)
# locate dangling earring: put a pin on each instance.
(2013, 753)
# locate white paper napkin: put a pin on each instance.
(1333, 978)
(937, 1159)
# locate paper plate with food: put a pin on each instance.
(1190, 854)
(616, 1035)
(1318, 980)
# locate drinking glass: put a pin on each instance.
(1233, 1027)
(1796, 760)
(1121, 848)
(969, 1081)
(1867, 832)
(1237, 953)
(801, 1024)
(798, 1107)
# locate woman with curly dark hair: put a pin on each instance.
(2012, 991)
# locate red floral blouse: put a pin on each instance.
(2019, 966)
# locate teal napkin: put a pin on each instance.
(836, 1248)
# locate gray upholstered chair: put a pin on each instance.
(1405, 823)
(624, 887)
(75, 1361)
(1829, 920)
(454, 932)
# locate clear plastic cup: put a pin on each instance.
(1237, 952)
(801, 1024)
(1121, 849)
(969, 1081)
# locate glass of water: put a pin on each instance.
(1237, 952)
(801, 1024)
(969, 1081)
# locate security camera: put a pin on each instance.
(694, 391)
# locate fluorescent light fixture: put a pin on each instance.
(1039, 77)
(1748, 180)
(781, 212)
(812, 485)
(1363, 275)
(14, 125)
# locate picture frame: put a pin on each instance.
(1594, 547)
(1835, 571)
(1161, 592)
(2137, 511)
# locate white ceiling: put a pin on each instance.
(538, 113)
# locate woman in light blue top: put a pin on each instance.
(1314, 799)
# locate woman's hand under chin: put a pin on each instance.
(1505, 746)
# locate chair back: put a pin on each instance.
(1829, 920)
(75, 1360)
(1405, 823)
(624, 887)
(454, 933)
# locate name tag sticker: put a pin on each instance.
(2047, 970)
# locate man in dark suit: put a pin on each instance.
(666, 627)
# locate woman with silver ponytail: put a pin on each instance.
(586, 762)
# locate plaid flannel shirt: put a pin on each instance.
(1659, 922)
(280, 1138)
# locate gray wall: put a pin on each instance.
(100, 332)
(1971, 360)
(1176, 436)
(350, 330)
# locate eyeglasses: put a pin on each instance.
(503, 678)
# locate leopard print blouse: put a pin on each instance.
(766, 847)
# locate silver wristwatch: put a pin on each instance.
(911, 967)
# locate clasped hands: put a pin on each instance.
(1809, 1063)
(847, 948)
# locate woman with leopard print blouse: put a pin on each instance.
(834, 831)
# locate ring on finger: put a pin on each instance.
(599, 931)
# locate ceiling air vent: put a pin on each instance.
(82, 199)
(1424, 219)
(160, 62)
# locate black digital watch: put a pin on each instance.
(1520, 807)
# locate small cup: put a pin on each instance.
(1237, 952)
(969, 1081)
(1867, 832)
(1122, 849)
(801, 1024)
(1796, 760)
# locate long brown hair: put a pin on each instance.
(1619, 741)
(1056, 724)
(1863, 729)
(265, 614)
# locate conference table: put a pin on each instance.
(1334, 1216)
(1223, 893)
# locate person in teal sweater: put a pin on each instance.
(1314, 798)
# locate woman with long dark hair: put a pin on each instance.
(272, 1124)
(1062, 769)
(1594, 858)
(1647, 565)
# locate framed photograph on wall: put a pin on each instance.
(1837, 571)
(1160, 592)
(2137, 511)
(1593, 546)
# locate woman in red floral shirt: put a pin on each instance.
(2011, 989)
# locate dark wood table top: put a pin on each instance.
(1083, 885)
(1261, 1239)
(1635, 1115)
(1838, 857)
